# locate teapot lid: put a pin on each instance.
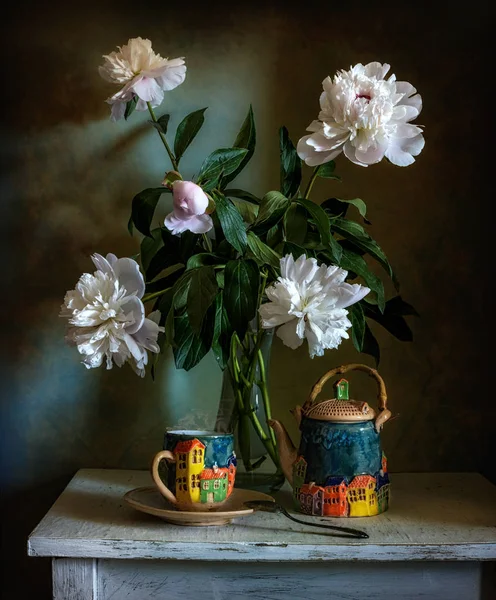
(341, 409)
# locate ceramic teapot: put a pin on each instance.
(339, 469)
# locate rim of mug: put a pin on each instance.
(197, 433)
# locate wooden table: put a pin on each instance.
(430, 544)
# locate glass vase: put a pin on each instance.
(244, 409)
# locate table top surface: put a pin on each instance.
(433, 516)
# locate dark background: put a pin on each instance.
(68, 176)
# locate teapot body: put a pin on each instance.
(340, 469)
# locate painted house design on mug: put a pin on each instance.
(197, 481)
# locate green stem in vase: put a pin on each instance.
(243, 388)
(163, 138)
(265, 396)
(243, 429)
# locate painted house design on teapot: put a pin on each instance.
(363, 496)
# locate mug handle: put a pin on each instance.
(164, 490)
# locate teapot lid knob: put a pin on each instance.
(342, 389)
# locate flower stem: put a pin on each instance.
(162, 137)
(265, 395)
(242, 387)
(243, 429)
(153, 295)
(311, 181)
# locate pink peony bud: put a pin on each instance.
(190, 204)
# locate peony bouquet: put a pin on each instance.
(225, 266)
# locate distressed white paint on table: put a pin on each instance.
(430, 544)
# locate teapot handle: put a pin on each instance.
(384, 413)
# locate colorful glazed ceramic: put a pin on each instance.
(149, 500)
(201, 469)
(339, 469)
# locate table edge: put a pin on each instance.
(257, 551)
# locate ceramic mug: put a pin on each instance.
(201, 469)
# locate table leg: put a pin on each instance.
(74, 578)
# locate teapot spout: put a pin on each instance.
(287, 450)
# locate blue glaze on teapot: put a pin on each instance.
(339, 469)
(339, 449)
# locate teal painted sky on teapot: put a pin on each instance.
(339, 449)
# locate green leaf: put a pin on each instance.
(166, 254)
(347, 245)
(181, 289)
(201, 293)
(264, 255)
(357, 325)
(358, 236)
(130, 226)
(290, 165)
(173, 274)
(221, 162)
(296, 224)
(221, 343)
(326, 171)
(336, 250)
(204, 259)
(130, 107)
(231, 222)
(272, 209)
(166, 308)
(296, 250)
(339, 207)
(219, 275)
(242, 195)
(190, 347)
(321, 220)
(358, 203)
(143, 208)
(169, 328)
(398, 306)
(186, 132)
(164, 304)
(150, 246)
(313, 241)
(275, 236)
(354, 262)
(187, 245)
(247, 211)
(246, 138)
(392, 322)
(161, 124)
(370, 345)
(242, 279)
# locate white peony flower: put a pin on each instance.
(107, 317)
(310, 302)
(365, 116)
(142, 73)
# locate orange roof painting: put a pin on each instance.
(214, 473)
(188, 445)
(361, 481)
(310, 488)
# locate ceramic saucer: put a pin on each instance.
(149, 500)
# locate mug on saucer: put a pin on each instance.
(201, 469)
